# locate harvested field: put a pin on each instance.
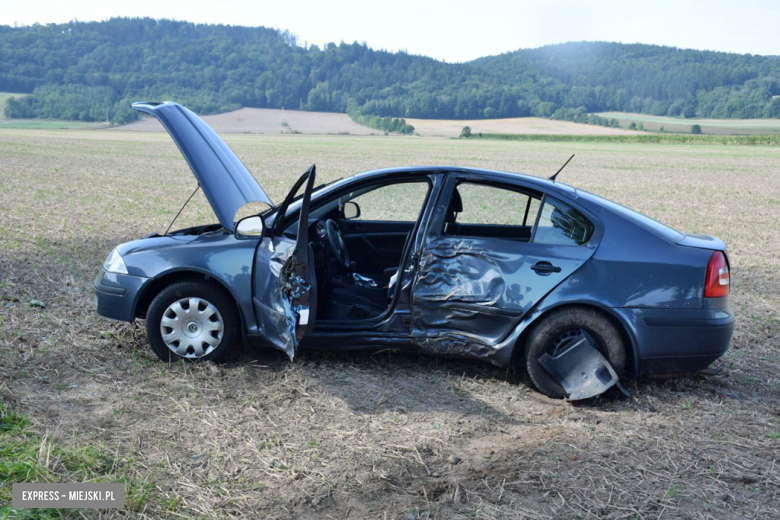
(708, 126)
(358, 435)
(267, 121)
(516, 125)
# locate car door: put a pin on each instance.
(476, 280)
(285, 286)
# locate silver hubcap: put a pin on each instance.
(192, 327)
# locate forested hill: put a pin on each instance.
(82, 70)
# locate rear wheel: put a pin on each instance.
(552, 335)
(192, 320)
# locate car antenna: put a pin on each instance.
(182, 209)
(562, 167)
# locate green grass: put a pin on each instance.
(728, 140)
(27, 457)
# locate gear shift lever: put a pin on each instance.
(363, 281)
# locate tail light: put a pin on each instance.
(716, 284)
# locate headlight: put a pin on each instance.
(114, 263)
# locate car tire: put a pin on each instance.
(197, 329)
(553, 329)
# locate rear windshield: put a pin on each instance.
(653, 225)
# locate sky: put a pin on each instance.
(455, 30)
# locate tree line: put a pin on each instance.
(92, 70)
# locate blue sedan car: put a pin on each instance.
(502, 267)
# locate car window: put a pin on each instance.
(399, 202)
(487, 204)
(560, 224)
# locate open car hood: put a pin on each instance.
(222, 176)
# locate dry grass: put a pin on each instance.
(381, 435)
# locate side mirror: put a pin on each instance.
(351, 210)
(250, 227)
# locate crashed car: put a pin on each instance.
(507, 268)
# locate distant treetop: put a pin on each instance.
(80, 70)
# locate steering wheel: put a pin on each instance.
(337, 245)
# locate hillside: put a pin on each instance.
(83, 70)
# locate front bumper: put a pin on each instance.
(679, 340)
(116, 295)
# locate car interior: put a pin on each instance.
(485, 210)
(501, 212)
(360, 238)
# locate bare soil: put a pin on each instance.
(382, 435)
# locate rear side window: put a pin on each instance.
(560, 224)
(486, 204)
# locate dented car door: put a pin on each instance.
(470, 292)
(285, 287)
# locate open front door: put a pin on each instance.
(285, 287)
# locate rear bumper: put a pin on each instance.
(116, 295)
(678, 340)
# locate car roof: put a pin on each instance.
(411, 171)
(604, 208)
(422, 170)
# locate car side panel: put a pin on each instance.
(471, 292)
(669, 331)
(481, 287)
(671, 341)
(634, 267)
(221, 257)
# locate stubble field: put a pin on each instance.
(708, 126)
(356, 435)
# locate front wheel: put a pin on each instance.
(554, 332)
(192, 320)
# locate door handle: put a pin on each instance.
(545, 268)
